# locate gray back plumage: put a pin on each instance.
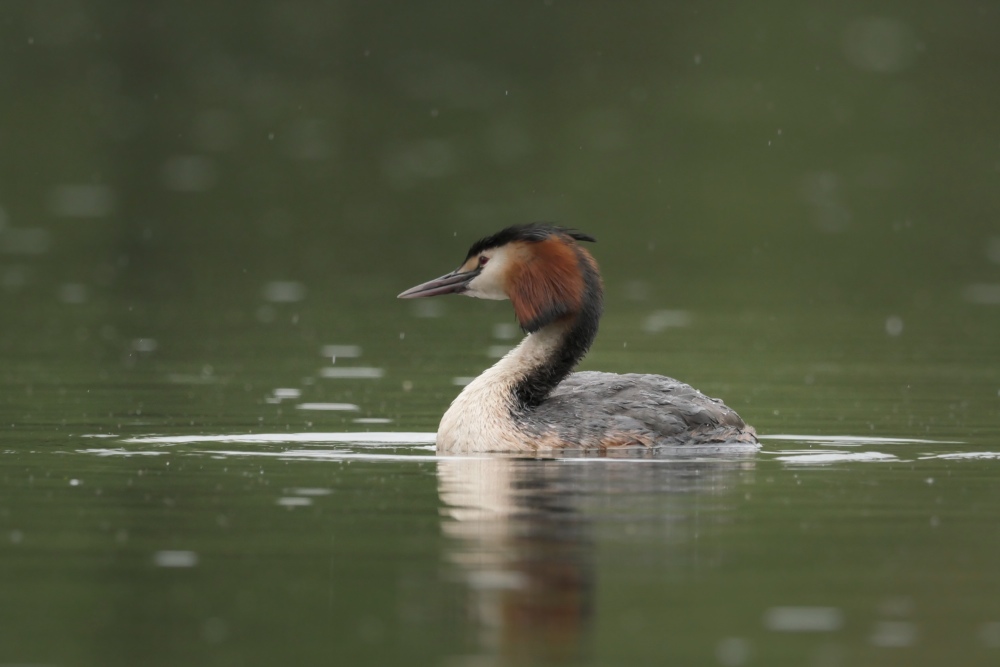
(599, 410)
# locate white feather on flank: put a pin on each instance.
(480, 418)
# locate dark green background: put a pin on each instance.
(754, 153)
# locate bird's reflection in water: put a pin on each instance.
(523, 533)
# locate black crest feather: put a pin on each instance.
(532, 232)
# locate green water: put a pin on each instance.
(216, 419)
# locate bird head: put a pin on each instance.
(541, 268)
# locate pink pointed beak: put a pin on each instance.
(452, 283)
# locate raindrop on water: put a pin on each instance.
(175, 559)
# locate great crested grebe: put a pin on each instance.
(530, 400)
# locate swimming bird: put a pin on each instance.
(530, 400)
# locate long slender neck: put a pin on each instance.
(549, 355)
(552, 352)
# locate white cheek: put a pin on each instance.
(485, 286)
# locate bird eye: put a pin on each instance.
(482, 260)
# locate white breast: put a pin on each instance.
(480, 418)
